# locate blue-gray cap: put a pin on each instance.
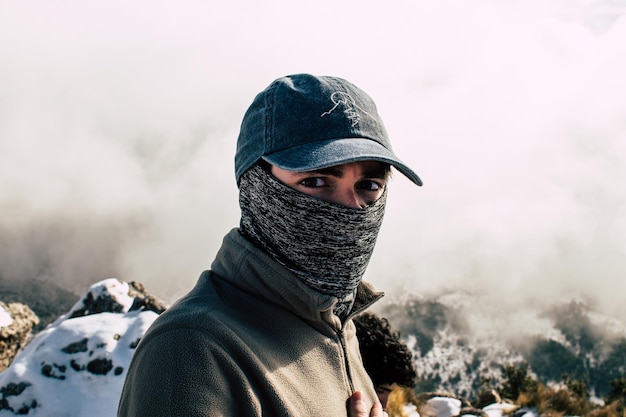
(304, 122)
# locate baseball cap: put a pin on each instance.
(304, 122)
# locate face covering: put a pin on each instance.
(326, 245)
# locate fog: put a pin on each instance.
(118, 124)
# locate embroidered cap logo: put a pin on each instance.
(339, 98)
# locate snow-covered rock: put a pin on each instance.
(77, 365)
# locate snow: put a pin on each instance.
(111, 287)
(499, 409)
(444, 406)
(5, 318)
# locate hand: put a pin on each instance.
(357, 407)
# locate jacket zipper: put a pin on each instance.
(342, 341)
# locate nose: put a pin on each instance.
(348, 197)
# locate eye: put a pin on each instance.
(313, 182)
(370, 185)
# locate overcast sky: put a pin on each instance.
(118, 123)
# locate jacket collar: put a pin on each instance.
(249, 268)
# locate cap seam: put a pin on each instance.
(269, 119)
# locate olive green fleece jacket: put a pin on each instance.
(249, 340)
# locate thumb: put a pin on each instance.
(358, 408)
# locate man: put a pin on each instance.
(387, 360)
(268, 330)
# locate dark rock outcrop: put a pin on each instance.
(97, 301)
(143, 300)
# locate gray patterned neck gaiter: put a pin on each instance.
(326, 245)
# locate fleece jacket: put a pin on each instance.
(250, 339)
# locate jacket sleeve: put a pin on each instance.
(184, 373)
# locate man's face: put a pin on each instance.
(383, 392)
(356, 185)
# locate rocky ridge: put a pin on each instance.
(461, 350)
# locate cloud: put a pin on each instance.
(118, 124)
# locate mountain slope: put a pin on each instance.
(45, 298)
(457, 348)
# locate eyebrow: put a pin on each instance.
(333, 171)
(374, 171)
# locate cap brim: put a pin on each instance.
(324, 154)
